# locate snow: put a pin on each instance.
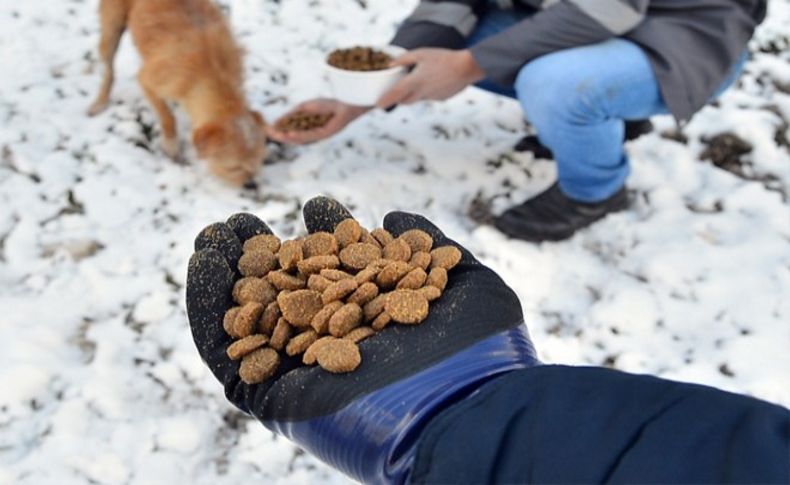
(100, 379)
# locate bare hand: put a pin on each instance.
(342, 115)
(438, 74)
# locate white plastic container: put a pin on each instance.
(364, 88)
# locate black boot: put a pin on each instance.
(530, 143)
(552, 216)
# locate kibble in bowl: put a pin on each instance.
(360, 75)
(317, 297)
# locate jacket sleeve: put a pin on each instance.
(437, 23)
(558, 424)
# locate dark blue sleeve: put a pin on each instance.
(558, 424)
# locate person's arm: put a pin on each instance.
(559, 424)
(438, 23)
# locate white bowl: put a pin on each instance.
(364, 88)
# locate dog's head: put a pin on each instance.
(234, 148)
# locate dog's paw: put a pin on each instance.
(97, 107)
(172, 149)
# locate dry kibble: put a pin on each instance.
(421, 259)
(247, 319)
(381, 321)
(389, 276)
(348, 232)
(363, 294)
(270, 242)
(300, 306)
(438, 278)
(269, 318)
(339, 356)
(282, 280)
(383, 236)
(366, 275)
(303, 121)
(320, 321)
(259, 365)
(257, 263)
(253, 289)
(413, 280)
(319, 244)
(240, 348)
(339, 290)
(317, 263)
(417, 240)
(397, 250)
(318, 283)
(359, 58)
(345, 319)
(374, 307)
(430, 292)
(290, 254)
(309, 357)
(229, 320)
(445, 257)
(280, 335)
(296, 287)
(301, 342)
(357, 256)
(407, 306)
(335, 274)
(359, 334)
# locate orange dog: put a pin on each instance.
(190, 57)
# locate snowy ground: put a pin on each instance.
(100, 381)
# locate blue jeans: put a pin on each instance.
(577, 99)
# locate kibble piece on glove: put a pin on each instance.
(381, 321)
(269, 242)
(301, 342)
(320, 244)
(282, 280)
(407, 306)
(413, 280)
(345, 319)
(348, 232)
(259, 365)
(417, 240)
(335, 274)
(280, 335)
(320, 322)
(359, 334)
(366, 275)
(309, 357)
(269, 318)
(317, 263)
(363, 294)
(290, 254)
(338, 356)
(257, 263)
(253, 289)
(430, 293)
(300, 306)
(389, 276)
(339, 290)
(357, 256)
(367, 238)
(247, 320)
(421, 259)
(240, 348)
(397, 250)
(438, 278)
(229, 321)
(383, 236)
(318, 283)
(374, 307)
(445, 257)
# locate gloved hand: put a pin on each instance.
(367, 422)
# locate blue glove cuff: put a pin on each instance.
(374, 438)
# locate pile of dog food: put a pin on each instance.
(303, 121)
(359, 59)
(320, 295)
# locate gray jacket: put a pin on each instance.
(692, 44)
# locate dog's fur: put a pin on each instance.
(190, 57)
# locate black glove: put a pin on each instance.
(365, 423)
